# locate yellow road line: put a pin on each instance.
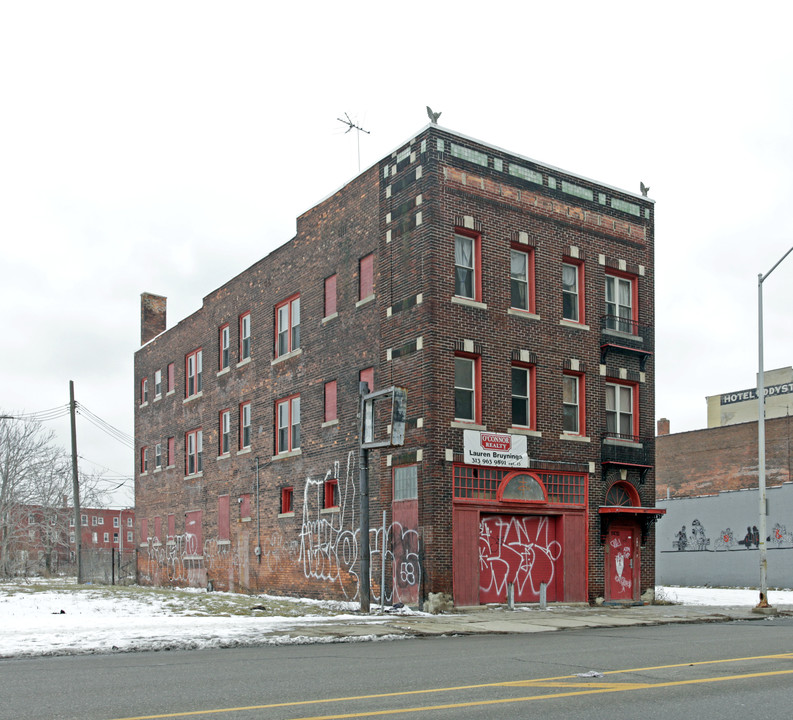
(557, 681)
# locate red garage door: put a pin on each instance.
(519, 549)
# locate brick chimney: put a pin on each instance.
(663, 427)
(152, 316)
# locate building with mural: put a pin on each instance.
(514, 303)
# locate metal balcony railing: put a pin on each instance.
(621, 449)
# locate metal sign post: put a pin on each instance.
(368, 440)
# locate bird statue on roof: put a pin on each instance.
(644, 188)
(433, 115)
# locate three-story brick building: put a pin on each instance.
(513, 301)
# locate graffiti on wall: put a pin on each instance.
(326, 550)
(697, 540)
(519, 550)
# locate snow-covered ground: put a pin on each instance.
(58, 619)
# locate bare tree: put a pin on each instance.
(35, 494)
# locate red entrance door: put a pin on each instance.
(522, 550)
(622, 564)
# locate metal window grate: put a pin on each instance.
(479, 483)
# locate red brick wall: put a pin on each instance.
(407, 218)
(703, 462)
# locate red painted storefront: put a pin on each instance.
(522, 527)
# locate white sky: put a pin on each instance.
(167, 146)
(99, 619)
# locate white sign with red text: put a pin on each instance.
(495, 449)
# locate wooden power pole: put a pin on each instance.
(78, 529)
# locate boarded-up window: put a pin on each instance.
(330, 296)
(144, 530)
(245, 506)
(194, 539)
(330, 401)
(223, 517)
(366, 286)
(171, 526)
(158, 528)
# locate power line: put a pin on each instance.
(106, 427)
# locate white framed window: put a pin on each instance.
(521, 397)
(519, 280)
(572, 420)
(194, 372)
(619, 304)
(287, 320)
(224, 347)
(620, 411)
(465, 281)
(245, 425)
(225, 432)
(288, 424)
(194, 446)
(158, 456)
(129, 536)
(245, 336)
(157, 383)
(571, 296)
(115, 522)
(465, 389)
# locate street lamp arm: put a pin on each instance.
(763, 277)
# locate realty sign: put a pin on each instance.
(495, 449)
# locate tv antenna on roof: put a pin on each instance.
(352, 126)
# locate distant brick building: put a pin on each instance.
(711, 460)
(512, 299)
(104, 529)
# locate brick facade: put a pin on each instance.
(224, 524)
(712, 460)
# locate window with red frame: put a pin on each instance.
(330, 296)
(622, 417)
(573, 408)
(245, 336)
(573, 291)
(245, 425)
(366, 277)
(467, 270)
(621, 303)
(224, 340)
(193, 373)
(467, 384)
(144, 391)
(194, 451)
(287, 326)
(523, 402)
(171, 378)
(331, 494)
(521, 278)
(286, 500)
(287, 413)
(225, 432)
(330, 401)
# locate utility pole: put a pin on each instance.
(78, 530)
(363, 464)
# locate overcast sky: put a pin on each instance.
(167, 146)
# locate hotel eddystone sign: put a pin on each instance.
(495, 449)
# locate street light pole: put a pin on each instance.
(763, 503)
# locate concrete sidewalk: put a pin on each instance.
(524, 619)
